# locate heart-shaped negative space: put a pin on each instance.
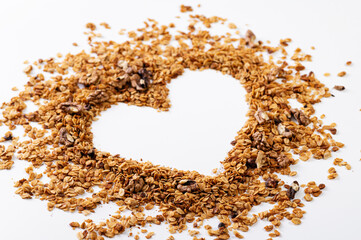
(208, 108)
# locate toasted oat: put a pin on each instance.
(341, 74)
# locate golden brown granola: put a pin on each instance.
(137, 72)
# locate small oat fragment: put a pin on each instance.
(149, 235)
(341, 74)
(296, 221)
(326, 74)
(105, 25)
(308, 197)
(28, 69)
(348, 63)
(184, 8)
(232, 26)
(74, 224)
(14, 89)
(75, 44)
(237, 234)
(339, 87)
(91, 26)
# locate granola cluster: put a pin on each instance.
(137, 72)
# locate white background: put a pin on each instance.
(193, 136)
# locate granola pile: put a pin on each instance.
(137, 72)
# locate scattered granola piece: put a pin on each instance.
(293, 189)
(91, 26)
(341, 74)
(186, 8)
(28, 69)
(339, 88)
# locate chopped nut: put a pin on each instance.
(300, 117)
(98, 96)
(260, 160)
(71, 107)
(291, 192)
(261, 116)
(187, 186)
(66, 138)
(271, 183)
(250, 38)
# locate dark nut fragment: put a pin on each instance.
(271, 183)
(98, 96)
(71, 107)
(250, 38)
(261, 116)
(141, 80)
(8, 136)
(251, 163)
(300, 117)
(294, 188)
(339, 88)
(260, 141)
(90, 79)
(333, 130)
(285, 132)
(66, 138)
(136, 184)
(221, 225)
(187, 186)
(283, 161)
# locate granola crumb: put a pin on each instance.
(339, 87)
(186, 8)
(91, 26)
(341, 74)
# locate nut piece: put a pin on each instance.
(141, 80)
(261, 116)
(187, 186)
(136, 184)
(285, 132)
(90, 79)
(271, 183)
(300, 117)
(283, 161)
(65, 138)
(260, 160)
(250, 38)
(339, 88)
(71, 107)
(291, 192)
(98, 96)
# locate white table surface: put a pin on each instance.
(40, 29)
